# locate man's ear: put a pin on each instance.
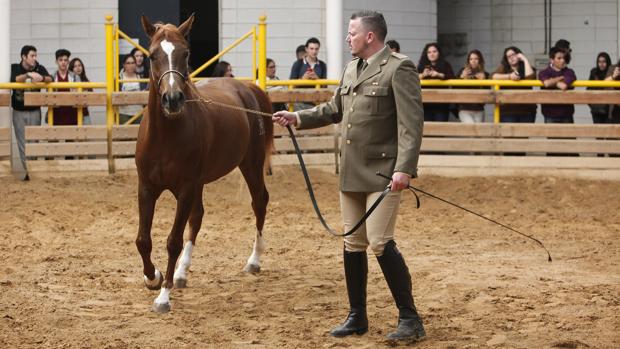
(187, 26)
(149, 29)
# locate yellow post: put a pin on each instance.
(80, 112)
(50, 110)
(117, 64)
(254, 76)
(262, 52)
(109, 75)
(496, 109)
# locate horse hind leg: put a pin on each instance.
(185, 261)
(254, 177)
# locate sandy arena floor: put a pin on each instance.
(72, 277)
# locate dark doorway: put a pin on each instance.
(204, 37)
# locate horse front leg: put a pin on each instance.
(185, 199)
(195, 221)
(147, 197)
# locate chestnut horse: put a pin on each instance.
(185, 143)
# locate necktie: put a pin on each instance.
(361, 68)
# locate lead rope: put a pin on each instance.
(305, 173)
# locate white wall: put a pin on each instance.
(492, 25)
(292, 22)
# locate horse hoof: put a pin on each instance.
(154, 284)
(180, 283)
(252, 268)
(161, 308)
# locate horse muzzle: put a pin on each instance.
(173, 103)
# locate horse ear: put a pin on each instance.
(186, 26)
(149, 29)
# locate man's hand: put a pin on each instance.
(284, 118)
(36, 77)
(400, 181)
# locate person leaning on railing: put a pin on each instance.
(558, 76)
(516, 67)
(432, 65)
(28, 70)
(76, 66)
(614, 75)
(473, 69)
(600, 112)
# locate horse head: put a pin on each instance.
(169, 54)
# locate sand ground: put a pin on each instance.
(72, 277)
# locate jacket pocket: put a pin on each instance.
(377, 95)
(381, 151)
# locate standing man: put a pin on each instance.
(65, 115)
(28, 70)
(379, 104)
(557, 76)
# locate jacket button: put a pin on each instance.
(351, 109)
(348, 125)
(382, 155)
(355, 93)
(373, 93)
(348, 141)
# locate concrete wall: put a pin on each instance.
(492, 25)
(292, 22)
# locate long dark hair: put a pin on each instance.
(83, 77)
(504, 66)
(220, 69)
(480, 59)
(596, 72)
(425, 62)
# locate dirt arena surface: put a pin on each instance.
(71, 276)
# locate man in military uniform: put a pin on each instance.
(379, 104)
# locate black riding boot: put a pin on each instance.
(399, 280)
(356, 274)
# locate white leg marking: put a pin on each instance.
(164, 296)
(259, 247)
(168, 47)
(154, 282)
(184, 262)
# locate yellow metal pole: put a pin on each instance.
(50, 110)
(262, 52)
(223, 52)
(254, 53)
(496, 109)
(109, 74)
(117, 85)
(135, 44)
(80, 112)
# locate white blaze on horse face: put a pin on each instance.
(168, 47)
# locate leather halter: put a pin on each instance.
(171, 71)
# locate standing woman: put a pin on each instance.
(515, 66)
(600, 112)
(223, 70)
(142, 66)
(77, 68)
(433, 66)
(473, 69)
(126, 112)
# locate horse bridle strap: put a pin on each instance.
(171, 71)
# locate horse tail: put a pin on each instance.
(265, 106)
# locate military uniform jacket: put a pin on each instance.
(382, 121)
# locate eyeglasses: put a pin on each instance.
(271, 66)
(130, 62)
